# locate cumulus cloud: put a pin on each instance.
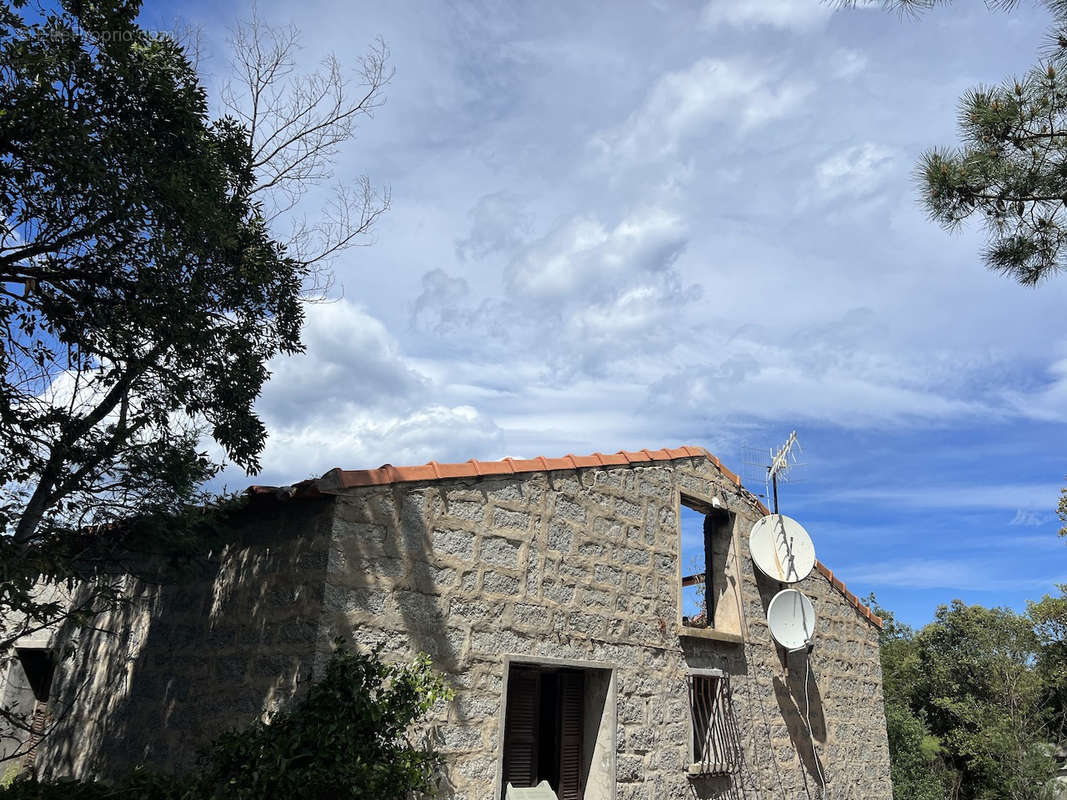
(583, 259)
(359, 440)
(683, 104)
(350, 360)
(856, 171)
(592, 298)
(804, 15)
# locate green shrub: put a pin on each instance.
(349, 737)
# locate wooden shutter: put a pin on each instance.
(572, 720)
(520, 728)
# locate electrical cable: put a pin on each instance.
(754, 690)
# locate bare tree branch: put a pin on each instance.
(297, 123)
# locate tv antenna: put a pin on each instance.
(772, 466)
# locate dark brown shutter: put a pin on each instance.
(520, 728)
(572, 718)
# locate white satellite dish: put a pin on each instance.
(781, 548)
(791, 618)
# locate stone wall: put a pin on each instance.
(584, 566)
(577, 566)
(180, 664)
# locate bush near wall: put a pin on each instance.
(348, 737)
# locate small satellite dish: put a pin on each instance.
(791, 618)
(781, 548)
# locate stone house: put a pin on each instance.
(549, 591)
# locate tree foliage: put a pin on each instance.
(348, 737)
(141, 292)
(143, 286)
(1011, 169)
(916, 769)
(1049, 616)
(1010, 166)
(975, 701)
(983, 700)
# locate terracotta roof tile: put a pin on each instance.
(387, 473)
(337, 479)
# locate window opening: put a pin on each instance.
(39, 668)
(716, 739)
(707, 549)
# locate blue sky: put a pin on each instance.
(636, 225)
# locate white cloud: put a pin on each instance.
(1047, 403)
(804, 15)
(582, 259)
(849, 64)
(1020, 497)
(683, 104)
(499, 222)
(524, 298)
(856, 171)
(839, 372)
(351, 360)
(357, 440)
(1031, 519)
(946, 573)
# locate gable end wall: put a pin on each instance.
(583, 566)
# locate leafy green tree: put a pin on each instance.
(350, 736)
(142, 289)
(916, 769)
(141, 293)
(913, 756)
(982, 699)
(974, 701)
(1049, 617)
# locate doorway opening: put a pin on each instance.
(559, 728)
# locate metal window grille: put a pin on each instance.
(716, 739)
(37, 729)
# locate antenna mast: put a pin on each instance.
(781, 461)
